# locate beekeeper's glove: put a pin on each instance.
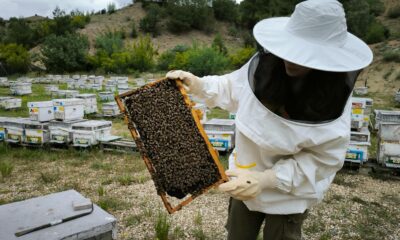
(248, 184)
(192, 83)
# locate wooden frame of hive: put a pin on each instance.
(147, 161)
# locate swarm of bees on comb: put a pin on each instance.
(168, 137)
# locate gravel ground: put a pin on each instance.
(357, 206)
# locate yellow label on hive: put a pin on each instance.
(39, 131)
(34, 110)
(357, 111)
(61, 109)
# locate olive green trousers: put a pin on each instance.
(244, 224)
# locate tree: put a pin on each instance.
(226, 10)
(65, 53)
(19, 32)
(149, 23)
(62, 23)
(110, 42)
(14, 58)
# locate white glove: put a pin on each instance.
(192, 83)
(248, 184)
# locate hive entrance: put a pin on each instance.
(171, 140)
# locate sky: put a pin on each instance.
(27, 8)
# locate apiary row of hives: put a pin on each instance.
(10, 103)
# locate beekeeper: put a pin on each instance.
(293, 107)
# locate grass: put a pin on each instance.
(6, 168)
(133, 220)
(162, 226)
(111, 203)
(125, 179)
(49, 177)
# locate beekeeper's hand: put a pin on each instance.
(248, 184)
(192, 83)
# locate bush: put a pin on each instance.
(168, 57)
(134, 33)
(392, 55)
(65, 53)
(149, 23)
(394, 11)
(375, 33)
(187, 14)
(201, 61)
(219, 45)
(19, 32)
(111, 8)
(241, 56)
(376, 7)
(143, 53)
(14, 58)
(225, 10)
(110, 42)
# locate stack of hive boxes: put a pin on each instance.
(357, 151)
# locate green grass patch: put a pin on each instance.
(6, 168)
(162, 226)
(133, 220)
(111, 203)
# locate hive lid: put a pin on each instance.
(31, 213)
(40, 104)
(68, 102)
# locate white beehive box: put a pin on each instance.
(221, 133)
(50, 88)
(14, 129)
(90, 102)
(36, 133)
(89, 133)
(65, 215)
(10, 103)
(123, 90)
(21, 88)
(363, 136)
(68, 109)
(357, 153)
(110, 109)
(386, 116)
(397, 97)
(4, 82)
(389, 144)
(41, 111)
(2, 129)
(111, 87)
(61, 131)
(106, 96)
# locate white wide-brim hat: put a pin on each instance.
(315, 36)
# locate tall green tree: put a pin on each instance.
(19, 32)
(62, 22)
(65, 53)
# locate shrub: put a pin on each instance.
(225, 10)
(134, 33)
(168, 57)
(187, 14)
(375, 33)
(142, 54)
(201, 61)
(110, 42)
(65, 53)
(19, 32)
(6, 168)
(111, 8)
(241, 56)
(149, 23)
(376, 7)
(14, 58)
(393, 11)
(219, 45)
(392, 55)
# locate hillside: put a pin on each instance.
(124, 18)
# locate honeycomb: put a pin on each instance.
(167, 135)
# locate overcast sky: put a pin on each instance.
(27, 8)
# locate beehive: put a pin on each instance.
(171, 140)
